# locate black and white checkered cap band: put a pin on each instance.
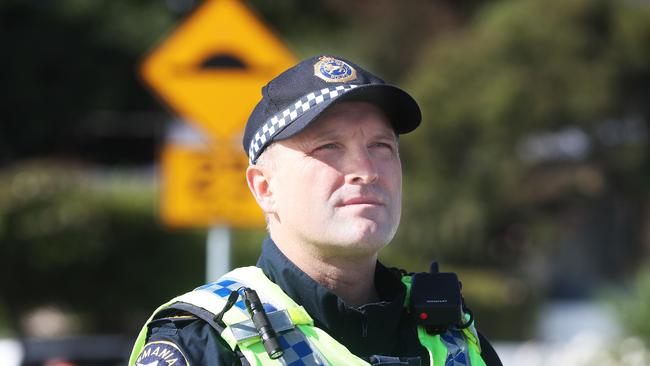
(278, 122)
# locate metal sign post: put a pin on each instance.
(218, 253)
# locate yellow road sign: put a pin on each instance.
(207, 187)
(210, 71)
(211, 68)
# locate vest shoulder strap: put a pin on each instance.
(303, 343)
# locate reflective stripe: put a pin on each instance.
(334, 352)
(280, 321)
(298, 350)
(437, 349)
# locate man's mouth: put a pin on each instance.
(361, 201)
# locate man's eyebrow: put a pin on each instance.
(332, 134)
(309, 142)
(389, 134)
(328, 134)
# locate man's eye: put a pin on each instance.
(382, 144)
(327, 147)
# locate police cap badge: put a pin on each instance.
(333, 70)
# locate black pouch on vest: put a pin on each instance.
(436, 301)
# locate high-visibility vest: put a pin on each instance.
(302, 342)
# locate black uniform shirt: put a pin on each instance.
(381, 328)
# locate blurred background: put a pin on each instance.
(530, 175)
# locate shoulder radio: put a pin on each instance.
(436, 301)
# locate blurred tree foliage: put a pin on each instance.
(523, 75)
(385, 36)
(533, 156)
(633, 306)
(87, 244)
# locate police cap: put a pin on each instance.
(297, 97)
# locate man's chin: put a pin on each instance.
(366, 234)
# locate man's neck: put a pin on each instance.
(350, 277)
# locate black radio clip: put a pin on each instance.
(436, 301)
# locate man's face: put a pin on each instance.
(337, 185)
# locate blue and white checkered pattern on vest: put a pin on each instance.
(280, 120)
(457, 354)
(297, 349)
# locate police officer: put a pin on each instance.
(325, 169)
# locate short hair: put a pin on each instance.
(266, 160)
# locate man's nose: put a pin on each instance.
(360, 167)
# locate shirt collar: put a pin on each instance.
(370, 326)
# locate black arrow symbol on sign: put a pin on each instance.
(222, 61)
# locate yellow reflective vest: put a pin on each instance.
(302, 342)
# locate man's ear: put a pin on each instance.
(259, 182)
